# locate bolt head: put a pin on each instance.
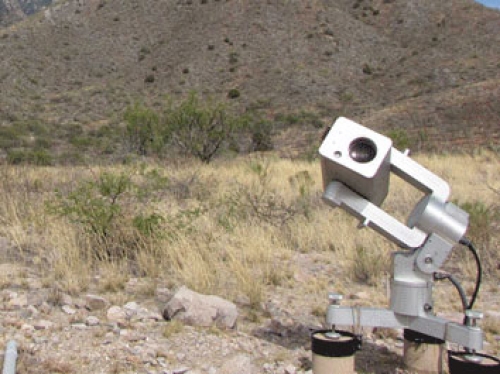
(474, 314)
(333, 335)
(335, 298)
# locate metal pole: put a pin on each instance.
(10, 357)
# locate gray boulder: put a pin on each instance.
(196, 309)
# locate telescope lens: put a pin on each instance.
(362, 150)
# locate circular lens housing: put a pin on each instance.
(362, 150)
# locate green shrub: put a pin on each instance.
(483, 220)
(39, 157)
(400, 138)
(81, 142)
(148, 225)
(142, 128)
(199, 129)
(233, 58)
(17, 157)
(11, 137)
(367, 69)
(367, 266)
(261, 202)
(302, 117)
(233, 93)
(261, 131)
(112, 210)
(95, 205)
(42, 143)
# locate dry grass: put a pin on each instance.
(229, 227)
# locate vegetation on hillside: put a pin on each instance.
(430, 69)
(229, 227)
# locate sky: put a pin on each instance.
(490, 3)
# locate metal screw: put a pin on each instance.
(428, 260)
(335, 298)
(427, 307)
(473, 358)
(472, 316)
(333, 335)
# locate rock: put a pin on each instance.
(39, 297)
(163, 294)
(180, 370)
(92, 321)
(79, 326)
(18, 301)
(116, 314)
(200, 310)
(27, 327)
(137, 313)
(361, 295)
(239, 364)
(132, 306)
(94, 302)
(45, 308)
(68, 310)
(66, 299)
(288, 327)
(132, 336)
(43, 325)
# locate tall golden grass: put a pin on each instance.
(229, 226)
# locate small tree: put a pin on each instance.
(142, 128)
(199, 129)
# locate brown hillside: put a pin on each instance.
(83, 62)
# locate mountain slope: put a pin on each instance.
(12, 11)
(82, 62)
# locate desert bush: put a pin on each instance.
(303, 118)
(198, 129)
(233, 93)
(400, 138)
(367, 265)
(484, 220)
(142, 128)
(233, 58)
(261, 132)
(11, 137)
(261, 201)
(39, 157)
(367, 69)
(95, 205)
(111, 211)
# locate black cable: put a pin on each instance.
(458, 286)
(466, 242)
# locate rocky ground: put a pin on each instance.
(126, 332)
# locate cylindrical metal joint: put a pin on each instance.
(334, 353)
(445, 219)
(423, 354)
(10, 357)
(467, 363)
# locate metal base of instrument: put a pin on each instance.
(333, 352)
